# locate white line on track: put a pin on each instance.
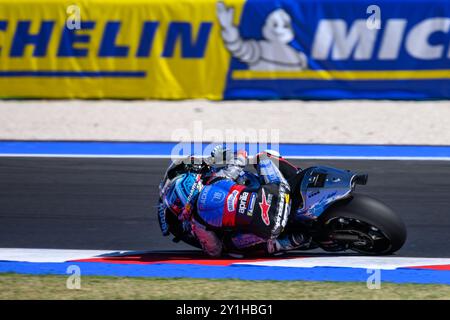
(50, 255)
(365, 262)
(119, 156)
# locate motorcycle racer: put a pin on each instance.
(253, 214)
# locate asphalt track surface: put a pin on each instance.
(86, 203)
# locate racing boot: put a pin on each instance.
(289, 242)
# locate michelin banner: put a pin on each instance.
(254, 49)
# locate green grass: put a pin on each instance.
(15, 286)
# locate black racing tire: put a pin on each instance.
(373, 212)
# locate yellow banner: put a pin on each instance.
(164, 49)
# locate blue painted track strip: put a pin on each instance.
(229, 272)
(164, 149)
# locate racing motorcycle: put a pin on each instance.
(324, 205)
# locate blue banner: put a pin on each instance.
(328, 49)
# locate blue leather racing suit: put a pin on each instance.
(253, 215)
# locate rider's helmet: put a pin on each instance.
(178, 192)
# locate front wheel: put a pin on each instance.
(365, 225)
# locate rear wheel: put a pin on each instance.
(365, 225)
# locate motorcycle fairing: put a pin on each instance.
(320, 187)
